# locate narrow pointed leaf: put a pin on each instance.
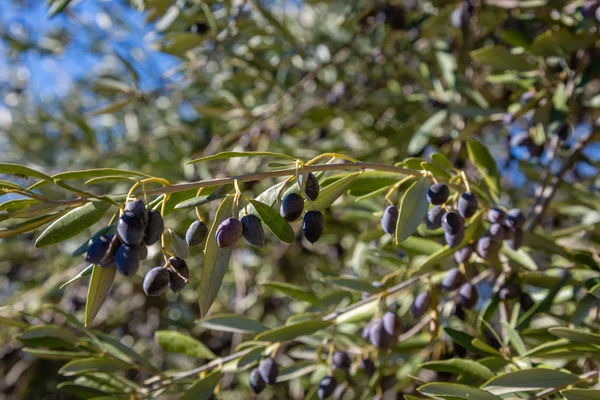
(412, 210)
(294, 291)
(232, 323)
(529, 380)
(22, 171)
(47, 336)
(575, 335)
(87, 271)
(581, 394)
(203, 388)
(92, 364)
(200, 200)
(236, 154)
(176, 342)
(29, 225)
(275, 222)
(100, 283)
(330, 193)
(289, 332)
(72, 223)
(455, 391)
(460, 366)
(485, 164)
(216, 260)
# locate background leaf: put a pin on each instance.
(175, 342)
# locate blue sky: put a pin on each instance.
(93, 41)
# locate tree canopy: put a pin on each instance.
(311, 199)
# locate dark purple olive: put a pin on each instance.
(468, 296)
(228, 232)
(467, 204)
(438, 194)
(389, 220)
(433, 219)
(156, 281)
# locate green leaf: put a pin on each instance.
(97, 173)
(581, 394)
(81, 391)
(461, 367)
(436, 170)
(176, 342)
(268, 197)
(441, 159)
(100, 283)
(541, 306)
(330, 193)
(9, 185)
(595, 291)
(455, 391)
(87, 271)
(29, 225)
(368, 181)
(296, 370)
(466, 341)
(177, 244)
(180, 43)
(519, 256)
(529, 379)
(13, 321)
(235, 154)
(11, 206)
(294, 291)
(575, 335)
(203, 388)
(561, 42)
(57, 6)
(353, 284)
(47, 336)
(420, 138)
(485, 164)
(501, 58)
(92, 364)
(200, 200)
(289, 332)
(232, 323)
(22, 171)
(72, 223)
(515, 339)
(412, 210)
(114, 106)
(113, 346)
(216, 260)
(275, 222)
(474, 229)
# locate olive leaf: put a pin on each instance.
(100, 284)
(216, 260)
(72, 223)
(412, 210)
(275, 222)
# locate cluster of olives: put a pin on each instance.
(250, 226)
(138, 228)
(265, 374)
(267, 371)
(383, 332)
